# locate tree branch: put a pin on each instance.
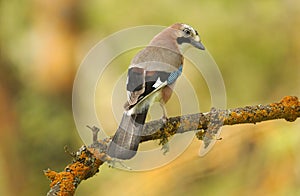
(87, 160)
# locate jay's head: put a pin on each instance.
(178, 36)
(186, 34)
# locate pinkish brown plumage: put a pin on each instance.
(151, 77)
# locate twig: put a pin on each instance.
(87, 160)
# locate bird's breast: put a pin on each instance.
(166, 93)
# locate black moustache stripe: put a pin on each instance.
(181, 40)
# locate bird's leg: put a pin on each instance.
(164, 141)
(164, 116)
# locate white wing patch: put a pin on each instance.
(157, 83)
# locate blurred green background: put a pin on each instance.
(255, 43)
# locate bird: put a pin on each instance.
(151, 77)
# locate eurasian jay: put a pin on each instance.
(151, 77)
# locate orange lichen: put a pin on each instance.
(290, 104)
(264, 113)
(98, 155)
(51, 175)
(287, 108)
(234, 115)
(84, 166)
(290, 101)
(64, 180)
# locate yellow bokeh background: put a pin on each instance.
(256, 45)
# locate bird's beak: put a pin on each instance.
(197, 43)
(193, 41)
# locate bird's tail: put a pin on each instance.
(126, 140)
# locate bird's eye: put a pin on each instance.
(187, 31)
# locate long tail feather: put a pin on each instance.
(126, 140)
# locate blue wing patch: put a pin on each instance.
(174, 75)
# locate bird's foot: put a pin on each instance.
(164, 111)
